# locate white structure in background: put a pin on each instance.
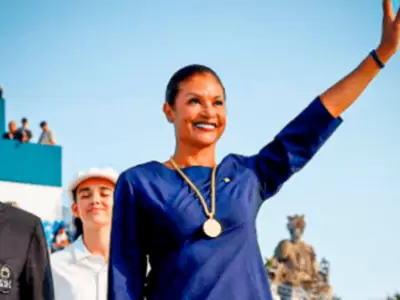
(67, 214)
(43, 201)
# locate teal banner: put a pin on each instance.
(30, 163)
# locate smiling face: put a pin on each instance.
(198, 113)
(94, 202)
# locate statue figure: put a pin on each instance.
(297, 256)
(294, 262)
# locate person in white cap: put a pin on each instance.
(80, 270)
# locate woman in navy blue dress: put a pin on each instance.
(196, 220)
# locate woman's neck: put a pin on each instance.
(188, 156)
(97, 240)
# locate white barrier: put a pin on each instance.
(43, 201)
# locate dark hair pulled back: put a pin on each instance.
(77, 222)
(184, 74)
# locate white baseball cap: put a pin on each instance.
(106, 173)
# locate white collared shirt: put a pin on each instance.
(78, 274)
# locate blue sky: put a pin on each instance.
(97, 71)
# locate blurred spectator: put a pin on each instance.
(61, 239)
(26, 134)
(12, 133)
(51, 229)
(24, 137)
(47, 136)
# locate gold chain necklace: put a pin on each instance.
(212, 228)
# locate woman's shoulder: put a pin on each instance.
(143, 167)
(235, 161)
(151, 171)
(142, 170)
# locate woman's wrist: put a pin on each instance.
(384, 53)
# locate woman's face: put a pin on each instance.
(199, 113)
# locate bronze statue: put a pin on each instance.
(294, 262)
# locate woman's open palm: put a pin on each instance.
(390, 27)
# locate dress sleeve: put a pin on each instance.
(127, 263)
(292, 148)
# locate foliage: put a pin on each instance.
(394, 297)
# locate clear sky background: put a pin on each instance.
(97, 71)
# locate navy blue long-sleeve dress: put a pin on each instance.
(156, 214)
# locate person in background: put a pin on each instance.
(61, 240)
(12, 133)
(80, 270)
(24, 138)
(25, 271)
(47, 137)
(24, 131)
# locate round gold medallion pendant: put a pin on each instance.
(212, 228)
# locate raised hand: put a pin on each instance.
(390, 32)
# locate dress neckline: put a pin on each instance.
(194, 167)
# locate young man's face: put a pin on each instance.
(94, 202)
